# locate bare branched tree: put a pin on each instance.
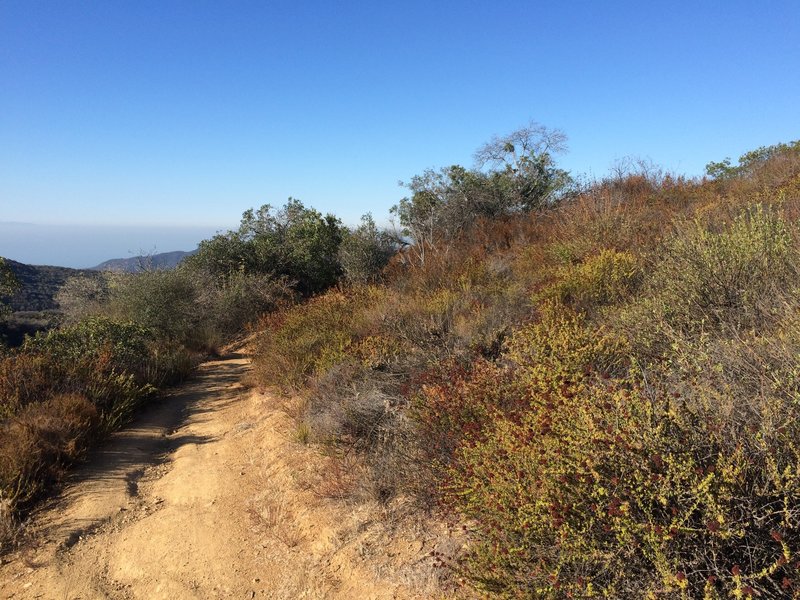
(530, 141)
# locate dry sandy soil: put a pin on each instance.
(209, 494)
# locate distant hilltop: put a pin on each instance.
(38, 285)
(135, 264)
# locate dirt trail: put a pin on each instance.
(209, 495)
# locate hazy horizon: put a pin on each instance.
(83, 246)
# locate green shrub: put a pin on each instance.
(192, 306)
(107, 362)
(731, 278)
(115, 365)
(8, 284)
(295, 242)
(365, 251)
(751, 162)
(123, 346)
(163, 301)
(64, 389)
(227, 305)
(83, 297)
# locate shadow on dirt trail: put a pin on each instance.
(110, 476)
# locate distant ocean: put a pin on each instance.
(84, 246)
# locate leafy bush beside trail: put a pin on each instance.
(66, 388)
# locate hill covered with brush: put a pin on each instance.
(601, 388)
(36, 286)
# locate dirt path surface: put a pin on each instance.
(210, 495)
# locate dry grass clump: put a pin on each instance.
(39, 440)
(625, 214)
(36, 444)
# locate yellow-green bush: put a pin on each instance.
(565, 344)
(621, 488)
(604, 278)
(310, 338)
(457, 402)
(115, 365)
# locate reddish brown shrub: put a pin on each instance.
(39, 441)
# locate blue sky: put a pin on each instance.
(185, 113)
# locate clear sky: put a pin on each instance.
(159, 112)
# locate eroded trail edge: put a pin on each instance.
(208, 495)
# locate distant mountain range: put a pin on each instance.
(135, 264)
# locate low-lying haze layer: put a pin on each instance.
(84, 246)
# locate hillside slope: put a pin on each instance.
(39, 285)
